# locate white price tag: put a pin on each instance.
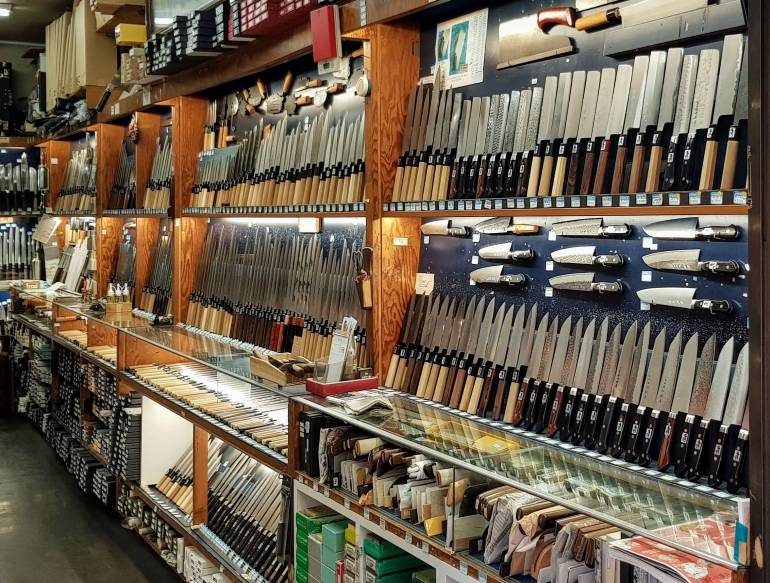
(476, 237)
(646, 276)
(347, 504)
(549, 265)
(475, 260)
(549, 292)
(463, 567)
(366, 513)
(425, 240)
(425, 547)
(644, 306)
(408, 538)
(382, 523)
(401, 241)
(482, 577)
(552, 235)
(647, 243)
(326, 492)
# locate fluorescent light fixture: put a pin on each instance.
(163, 21)
(5, 10)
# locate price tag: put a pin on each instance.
(366, 513)
(476, 237)
(532, 203)
(552, 235)
(498, 204)
(590, 200)
(425, 547)
(674, 199)
(549, 265)
(408, 538)
(549, 292)
(606, 201)
(326, 492)
(646, 276)
(574, 201)
(717, 197)
(482, 577)
(463, 567)
(560, 202)
(425, 240)
(657, 199)
(382, 523)
(641, 200)
(478, 205)
(739, 197)
(347, 504)
(547, 202)
(625, 201)
(510, 203)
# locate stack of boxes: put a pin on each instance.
(351, 556)
(386, 563)
(309, 522)
(332, 552)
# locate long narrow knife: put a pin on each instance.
(566, 417)
(617, 115)
(558, 127)
(741, 114)
(632, 121)
(543, 133)
(599, 130)
(585, 126)
(522, 365)
(577, 105)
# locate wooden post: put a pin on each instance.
(759, 294)
(149, 130)
(109, 141)
(189, 115)
(200, 475)
(392, 62)
(55, 156)
(188, 244)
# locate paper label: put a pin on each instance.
(401, 241)
(424, 283)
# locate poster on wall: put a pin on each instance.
(460, 45)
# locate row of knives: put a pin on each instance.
(575, 134)
(22, 186)
(577, 380)
(319, 161)
(681, 260)
(19, 253)
(79, 190)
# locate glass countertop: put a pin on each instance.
(693, 518)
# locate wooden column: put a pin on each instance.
(189, 115)
(147, 235)
(392, 62)
(759, 290)
(149, 130)
(188, 244)
(109, 141)
(55, 156)
(200, 475)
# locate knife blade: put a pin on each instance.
(585, 404)
(514, 386)
(682, 297)
(633, 120)
(682, 114)
(471, 124)
(726, 92)
(741, 113)
(494, 275)
(544, 132)
(618, 389)
(571, 125)
(465, 349)
(591, 227)
(493, 367)
(559, 417)
(599, 130)
(585, 256)
(530, 142)
(584, 282)
(637, 13)
(688, 260)
(688, 228)
(558, 127)
(475, 351)
(501, 327)
(533, 366)
(609, 367)
(668, 100)
(505, 252)
(505, 375)
(614, 123)
(587, 115)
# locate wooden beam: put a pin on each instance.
(188, 245)
(187, 119)
(200, 475)
(109, 141)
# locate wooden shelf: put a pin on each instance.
(398, 532)
(273, 460)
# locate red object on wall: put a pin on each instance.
(324, 29)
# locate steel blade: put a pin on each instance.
(604, 102)
(620, 383)
(678, 260)
(684, 382)
(526, 346)
(535, 113)
(574, 255)
(640, 362)
(717, 396)
(584, 356)
(700, 392)
(651, 104)
(517, 333)
(555, 368)
(619, 100)
(537, 347)
(588, 110)
(544, 130)
(561, 106)
(738, 389)
(597, 358)
(670, 91)
(685, 95)
(668, 378)
(501, 344)
(705, 90)
(729, 75)
(636, 93)
(574, 108)
(654, 371)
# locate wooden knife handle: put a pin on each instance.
(438, 392)
(457, 175)
(467, 391)
(654, 167)
(709, 166)
(637, 164)
(601, 166)
(449, 383)
(430, 176)
(619, 172)
(498, 389)
(430, 386)
(400, 374)
(731, 160)
(588, 168)
(441, 183)
(490, 378)
(481, 177)
(457, 388)
(511, 400)
(534, 175)
(556, 411)
(473, 402)
(598, 20)
(522, 397)
(664, 458)
(419, 385)
(557, 189)
(546, 172)
(574, 168)
(418, 188)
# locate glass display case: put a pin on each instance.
(690, 517)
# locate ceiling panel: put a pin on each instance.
(29, 18)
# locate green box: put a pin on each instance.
(328, 575)
(334, 536)
(380, 549)
(393, 564)
(330, 557)
(400, 577)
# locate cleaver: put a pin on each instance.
(522, 41)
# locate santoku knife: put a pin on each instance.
(682, 297)
(688, 260)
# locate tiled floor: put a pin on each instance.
(51, 531)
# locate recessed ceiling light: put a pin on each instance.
(5, 10)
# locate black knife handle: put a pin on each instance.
(695, 457)
(582, 410)
(608, 421)
(611, 260)
(653, 434)
(688, 163)
(718, 267)
(737, 461)
(619, 439)
(715, 466)
(525, 166)
(498, 182)
(722, 233)
(545, 403)
(714, 306)
(681, 446)
(511, 175)
(593, 422)
(669, 167)
(567, 419)
(489, 174)
(535, 394)
(469, 186)
(573, 169)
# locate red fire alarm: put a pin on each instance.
(325, 30)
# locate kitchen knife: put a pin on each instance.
(599, 128)
(614, 123)
(558, 127)
(682, 297)
(632, 121)
(584, 282)
(592, 227)
(689, 260)
(494, 275)
(733, 141)
(585, 127)
(571, 126)
(503, 226)
(688, 228)
(682, 114)
(585, 256)
(505, 252)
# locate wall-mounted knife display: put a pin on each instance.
(582, 132)
(155, 298)
(123, 193)
(301, 288)
(585, 381)
(19, 253)
(125, 263)
(78, 192)
(22, 185)
(157, 194)
(77, 262)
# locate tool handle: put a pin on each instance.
(695, 457)
(522, 255)
(610, 17)
(462, 175)
(512, 398)
(435, 368)
(709, 165)
(731, 159)
(419, 374)
(721, 266)
(588, 168)
(574, 169)
(515, 279)
(654, 165)
(592, 424)
(637, 164)
(714, 306)
(490, 379)
(468, 389)
(534, 175)
(669, 169)
(418, 190)
(680, 447)
(608, 287)
(522, 398)
(469, 188)
(557, 410)
(398, 185)
(525, 168)
(569, 408)
(620, 430)
(608, 421)
(457, 169)
(560, 171)
(736, 462)
(481, 178)
(511, 175)
(601, 166)
(619, 172)
(459, 383)
(490, 176)
(717, 460)
(664, 457)
(502, 379)
(438, 391)
(688, 163)
(726, 233)
(450, 381)
(611, 260)
(546, 170)
(430, 178)
(441, 183)
(501, 164)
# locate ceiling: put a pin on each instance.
(28, 20)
